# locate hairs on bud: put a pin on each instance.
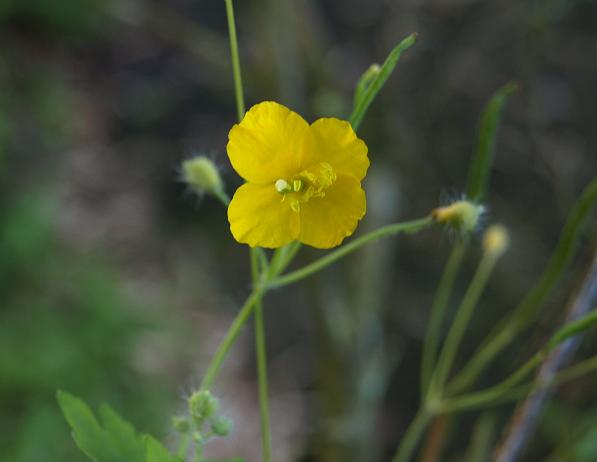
(202, 175)
(462, 216)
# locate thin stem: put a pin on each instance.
(412, 436)
(463, 315)
(573, 372)
(438, 310)
(525, 312)
(238, 81)
(405, 227)
(183, 446)
(476, 399)
(230, 338)
(261, 357)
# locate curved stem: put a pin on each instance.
(230, 338)
(261, 357)
(525, 312)
(412, 436)
(238, 82)
(438, 310)
(476, 399)
(389, 230)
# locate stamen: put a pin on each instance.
(282, 186)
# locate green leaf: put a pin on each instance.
(573, 328)
(482, 161)
(370, 86)
(87, 432)
(116, 441)
(122, 435)
(156, 452)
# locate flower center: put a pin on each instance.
(309, 183)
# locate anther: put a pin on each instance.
(282, 186)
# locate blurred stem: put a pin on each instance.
(438, 311)
(238, 81)
(257, 257)
(412, 436)
(261, 356)
(526, 311)
(389, 230)
(183, 446)
(242, 316)
(458, 328)
(472, 400)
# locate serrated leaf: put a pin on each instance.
(129, 445)
(87, 432)
(482, 161)
(368, 94)
(156, 452)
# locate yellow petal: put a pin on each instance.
(271, 142)
(258, 217)
(327, 220)
(337, 144)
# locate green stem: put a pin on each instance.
(405, 227)
(526, 311)
(479, 398)
(463, 315)
(573, 372)
(230, 338)
(261, 357)
(183, 446)
(412, 436)
(238, 81)
(438, 310)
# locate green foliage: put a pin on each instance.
(372, 82)
(482, 161)
(112, 440)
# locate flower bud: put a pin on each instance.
(202, 405)
(464, 216)
(181, 424)
(496, 240)
(202, 175)
(221, 426)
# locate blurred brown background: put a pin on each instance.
(116, 283)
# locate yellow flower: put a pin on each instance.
(303, 182)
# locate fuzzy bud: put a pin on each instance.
(464, 216)
(202, 405)
(496, 240)
(202, 175)
(221, 426)
(181, 424)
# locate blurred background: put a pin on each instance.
(116, 283)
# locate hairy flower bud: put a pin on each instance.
(181, 424)
(202, 405)
(221, 426)
(202, 175)
(464, 216)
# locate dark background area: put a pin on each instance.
(116, 282)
